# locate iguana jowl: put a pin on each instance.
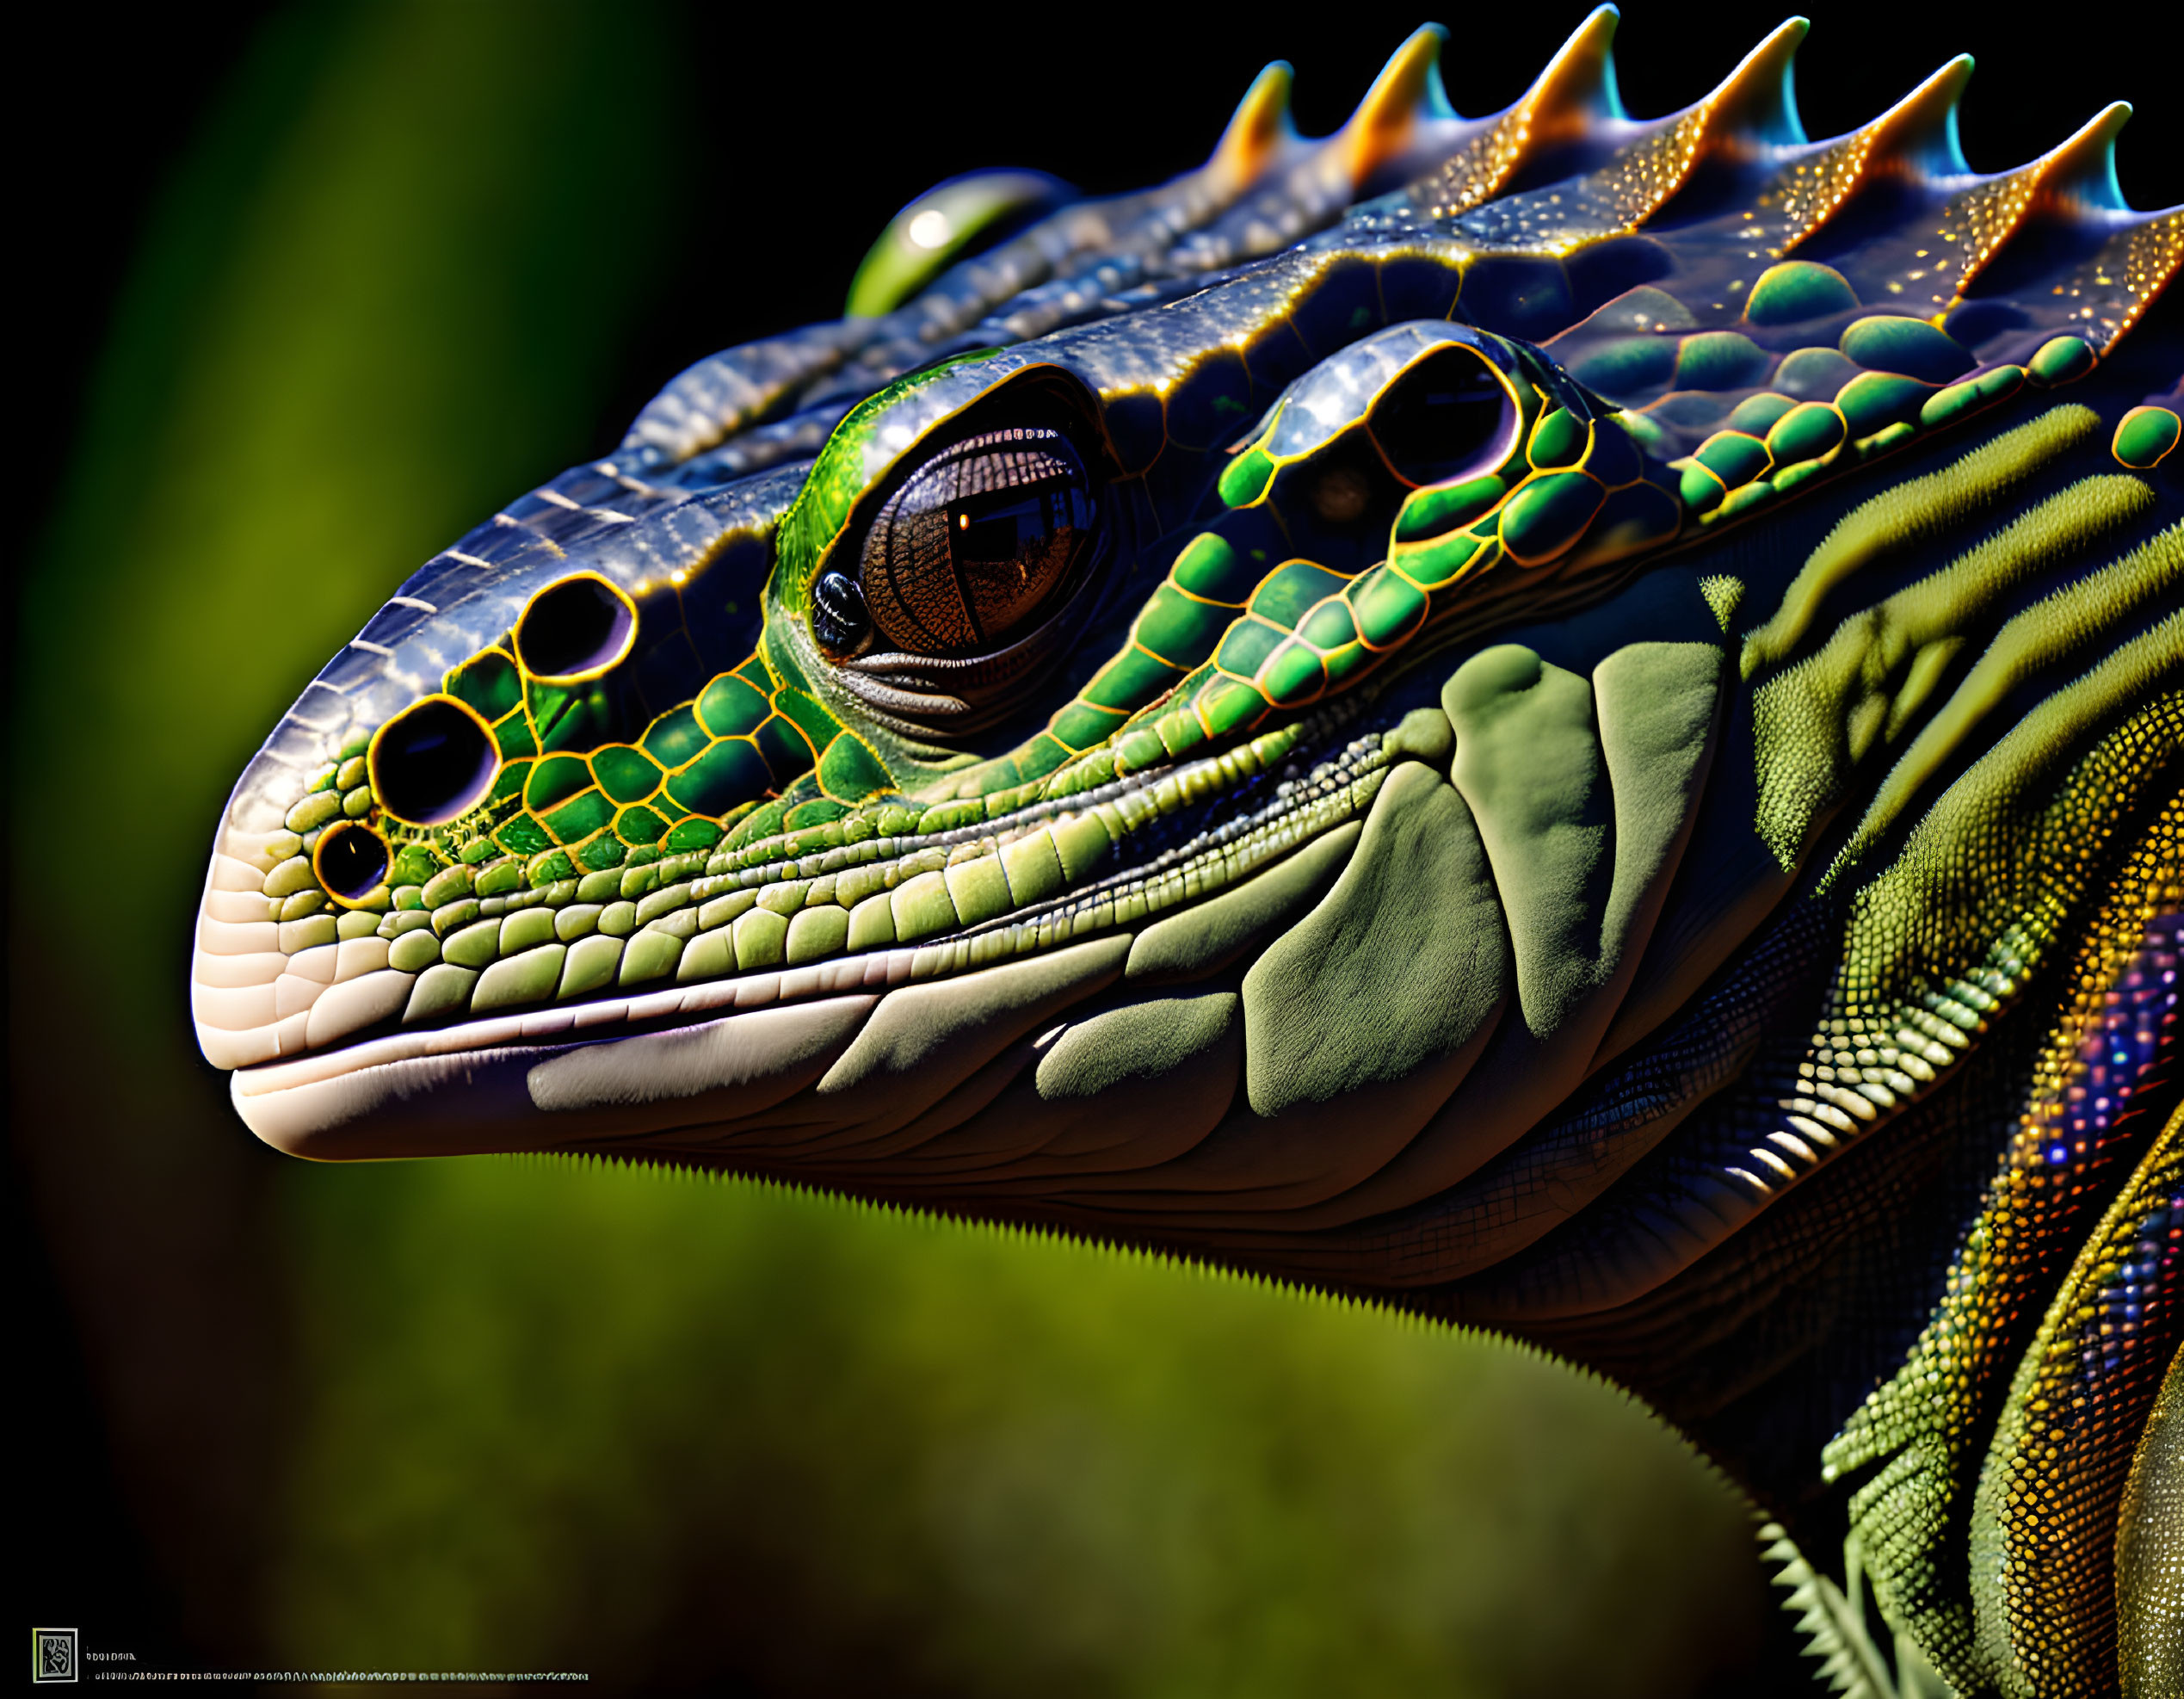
(1569, 722)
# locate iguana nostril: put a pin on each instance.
(433, 762)
(574, 629)
(1450, 415)
(351, 863)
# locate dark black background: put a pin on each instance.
(803, 148)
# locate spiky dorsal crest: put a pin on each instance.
(1261, 132)
(2080, 177)
(1407, 92)
(1757, 105)
(1916, 137)
(1577, 94)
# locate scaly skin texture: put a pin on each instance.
(1568, 722)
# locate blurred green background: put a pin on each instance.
(675, 1432)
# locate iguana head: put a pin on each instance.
(1184, 713)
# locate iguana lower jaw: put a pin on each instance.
(1574, 723)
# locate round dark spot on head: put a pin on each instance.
(433, 762)
(351, 862)
(574, 628)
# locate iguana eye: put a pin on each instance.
(970, 548)
(1451, 414)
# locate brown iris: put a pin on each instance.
(975, 544)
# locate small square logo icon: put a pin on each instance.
(52, 1656)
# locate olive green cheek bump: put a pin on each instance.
(1717, 360)
(1558, 440)
(2061, 360)
(2146, 436)
(1399, 972)
(1441, 508)
(1549, 514)
(1209, 936)
(1910, 348)
(1795, 290)
(1805, 432)
(1733, 457)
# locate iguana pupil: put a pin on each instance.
(1594, 744)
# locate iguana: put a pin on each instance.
(1565, 722)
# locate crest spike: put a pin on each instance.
(1918, 134)
(1257, 133)
(1916, 138)
(2080, 177)
(2073, 184)
(1577, 91)
(1756, 104)
(1409, 88)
